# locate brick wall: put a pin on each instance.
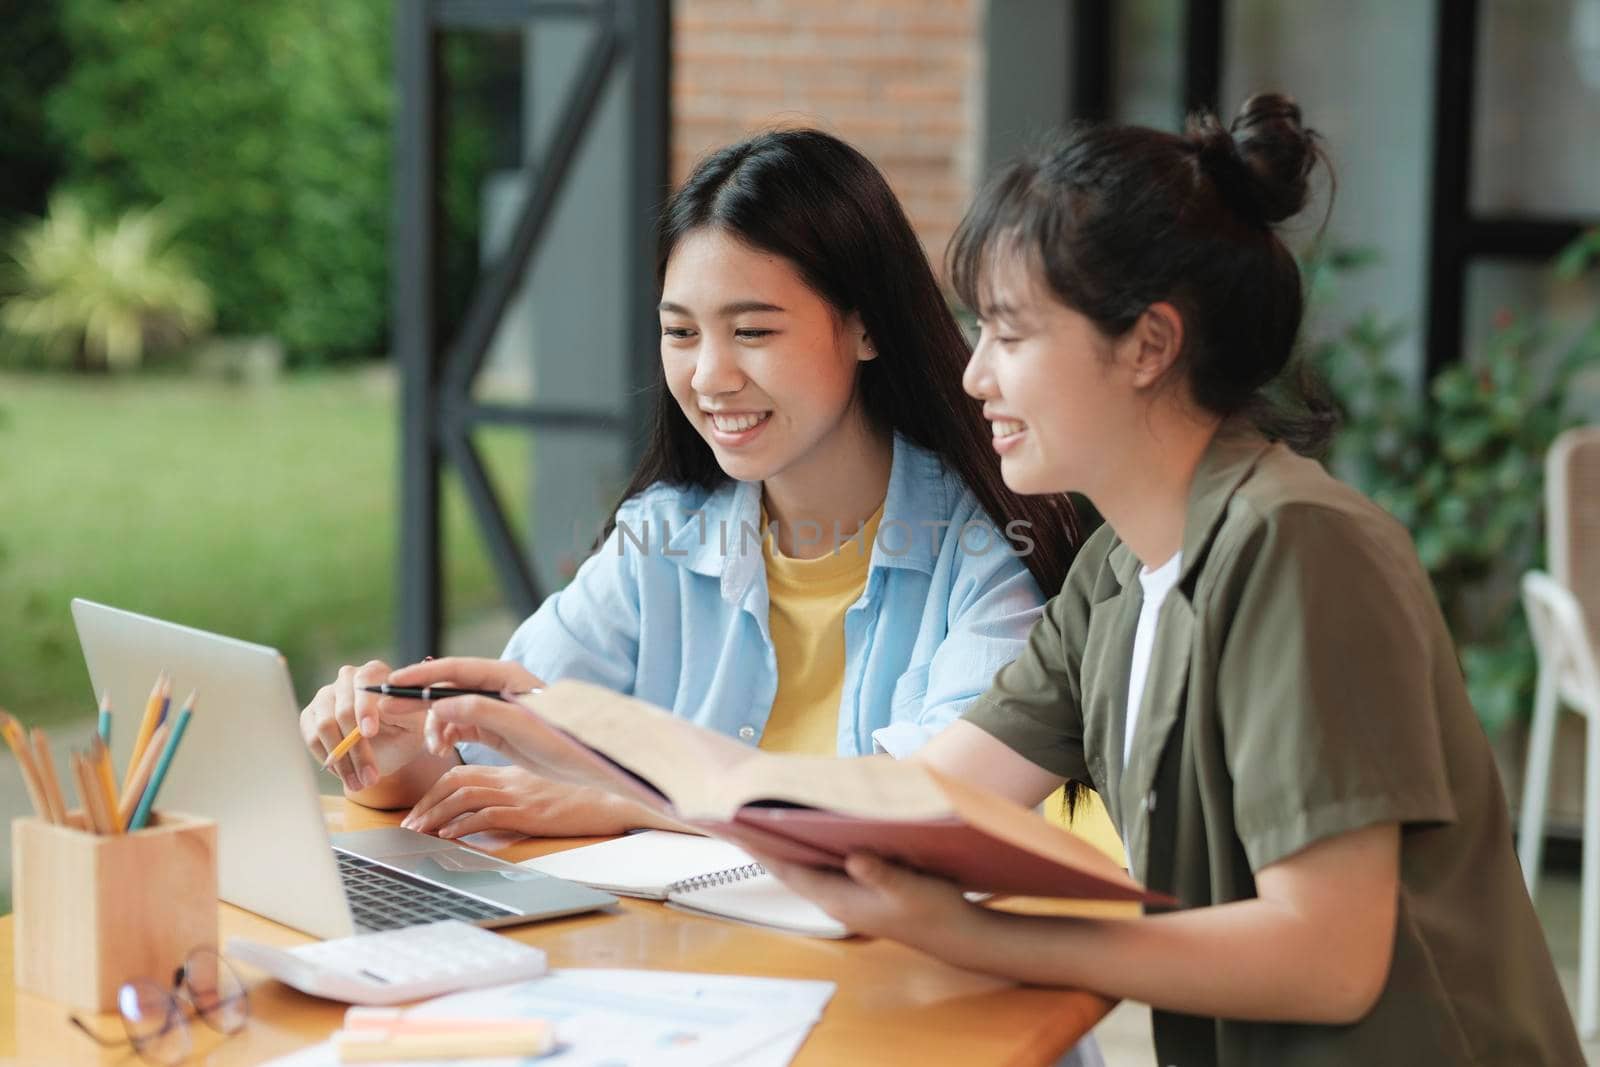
(899, 79)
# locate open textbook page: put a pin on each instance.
(816, 810)
(705, 775)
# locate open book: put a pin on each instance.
(699, 874)
(816, 810)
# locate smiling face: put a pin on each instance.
(763, 368)
(1055, 389)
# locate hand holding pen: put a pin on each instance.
(364, 734)
(431, 693)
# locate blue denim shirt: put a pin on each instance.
(673, 610)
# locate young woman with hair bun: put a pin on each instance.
(1247, 660)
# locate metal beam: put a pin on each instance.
(650, 46)
(1093, 60)
(517, 581)
(501, 283)
(415, 296)
(1454, 64)
(510, 14)
(439, 413)
(1512, 238)
(541, 416)
(1202, 54)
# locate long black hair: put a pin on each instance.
(825, 209)
(1116, 218)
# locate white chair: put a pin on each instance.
(1563, 612)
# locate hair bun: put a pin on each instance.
(1262, 162)
(1279, 151)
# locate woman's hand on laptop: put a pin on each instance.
(471, 798)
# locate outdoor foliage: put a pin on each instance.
(1463, 466)
(33, 56)
(266, 127)
(264, 511)
(98, 295)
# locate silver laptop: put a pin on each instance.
(243, 763)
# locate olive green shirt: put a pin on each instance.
(1302, 685)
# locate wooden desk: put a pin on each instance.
(892, 1005)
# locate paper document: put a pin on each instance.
(622, 1018)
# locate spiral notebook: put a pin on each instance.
(697, 874)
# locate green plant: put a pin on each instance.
(268, 127)
(33, 58)
(99, 294)
(1462, 466)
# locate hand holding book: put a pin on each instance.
(881, 899)
(790, 809)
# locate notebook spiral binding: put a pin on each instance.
(715, 878)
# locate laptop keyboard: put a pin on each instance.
(382, 899)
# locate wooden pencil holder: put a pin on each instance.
(94, 911)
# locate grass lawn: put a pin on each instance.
(267, 512)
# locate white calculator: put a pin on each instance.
(395, 966)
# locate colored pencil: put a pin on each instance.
(89, 793)
(147, 726)
(166, 702)
(104, 725)
(75, 769)
(343, 747)
(141, 814)
(48, 777)
(141, 775)
(12, 729)
(105, 775)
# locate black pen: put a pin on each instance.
(439, 692)
(427, 692)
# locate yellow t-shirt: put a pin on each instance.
(807, 599)
(1090, 821)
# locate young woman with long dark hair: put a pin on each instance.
(811, 387)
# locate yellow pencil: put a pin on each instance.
(141, 775)
(147, 726)
(100, 757)
(48, 778)
(12, 729)
(343, 747)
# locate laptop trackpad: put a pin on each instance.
(434, 859)
(461, 869)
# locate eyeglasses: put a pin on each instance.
(157, 1020)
